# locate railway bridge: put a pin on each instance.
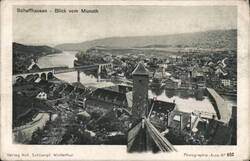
(49, 73)
(44, 74)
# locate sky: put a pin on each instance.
(116, 21)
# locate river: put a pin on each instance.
(67, 58)
(186, 100)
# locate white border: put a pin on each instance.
(101, 152)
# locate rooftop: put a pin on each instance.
(140, 70)
(102, 93)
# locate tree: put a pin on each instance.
(36, 136)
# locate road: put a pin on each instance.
(27, 130)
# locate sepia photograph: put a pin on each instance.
(150, 78)
(147, 87)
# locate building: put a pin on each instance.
(200, 81)
(33, 66)
(140, 92)
(121, 88)
(143, 136)
(172, 83)
(121, 96)
(220, 71)
(106, 99)
(226, 82)
(42, 96)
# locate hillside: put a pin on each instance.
(216, 39)
(23, 54)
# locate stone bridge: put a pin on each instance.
(44, 75)
(98, 67)
(47, 74)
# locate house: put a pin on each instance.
(121, 88)
(220, 71)
(33, 66)
(106, 99)
(42, 96)
(226, 82)
(172, 83)
(234, 83)
(109, 98)
(210, 64)
(200, 81)
(161, 107)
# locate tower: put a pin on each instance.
(143, 136)
(140, 92)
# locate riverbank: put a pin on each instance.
(24, 54)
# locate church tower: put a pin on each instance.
(140, 92)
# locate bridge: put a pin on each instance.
(221, 107)
(44, 74)
(82, 68)
(48, 73)
(99, 67)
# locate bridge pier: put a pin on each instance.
(78, 76)
(99, 69)
(46, 76)
(50, 116)
(98, 78)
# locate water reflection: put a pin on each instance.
(184, 94)
(157, 91)
(199, 94)
(65, 58)
(169, 93)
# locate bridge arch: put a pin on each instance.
(29, 77)
(32, 76)
(43, 76)
(50, 75)
(36, 76)
(19, 79)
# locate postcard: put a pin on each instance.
(124, 80)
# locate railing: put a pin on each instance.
(162, 143)
(85, 67)
(64, 70)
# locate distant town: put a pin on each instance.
(181, 93)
